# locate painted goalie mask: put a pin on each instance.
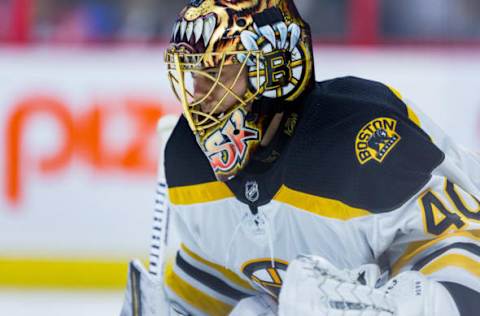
(266, 39)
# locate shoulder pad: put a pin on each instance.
(358, 89)
(360, 149)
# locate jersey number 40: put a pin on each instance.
(439, 218)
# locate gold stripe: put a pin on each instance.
(193, 296)
(418, 247)
(396, 92)
(228, 274)
(38, 273)
(200, 193)
(249, 262)
(453, 260)
(319, 205)
(413, 117)
(411, 114)
(274, 275)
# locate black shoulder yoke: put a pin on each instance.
(354, 143)
(185, 163)
(357, 145)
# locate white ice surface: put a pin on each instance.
(59, 303)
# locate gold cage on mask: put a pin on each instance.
(183, 66)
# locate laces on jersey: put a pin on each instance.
(255, 223)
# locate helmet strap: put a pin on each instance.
(266, 107)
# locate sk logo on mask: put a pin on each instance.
(227, 147)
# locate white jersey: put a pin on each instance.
(364, 178)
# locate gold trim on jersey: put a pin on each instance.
(228, 274)
(192, 295)
(453, 260)
(319, 205)
(199, 193)
(411, 114)
(418, 247)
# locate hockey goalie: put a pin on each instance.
(297, 197)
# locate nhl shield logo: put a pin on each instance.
(251, 191)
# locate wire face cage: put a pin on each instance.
(183, 69)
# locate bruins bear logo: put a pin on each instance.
(376, 139)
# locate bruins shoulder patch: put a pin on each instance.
(376, 139)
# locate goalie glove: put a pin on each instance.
(415, 295)
(313, 286)
(145, 296)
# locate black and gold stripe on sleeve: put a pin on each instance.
(418, 255)
(452, 260)
(216, 284)
(204, 287)
(439, 258)
(190, 298)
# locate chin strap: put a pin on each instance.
(268, 107)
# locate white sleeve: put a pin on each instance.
(464, 159)
(437, 233)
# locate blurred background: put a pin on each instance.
(82, 85)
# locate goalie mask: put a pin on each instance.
(271, 47)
